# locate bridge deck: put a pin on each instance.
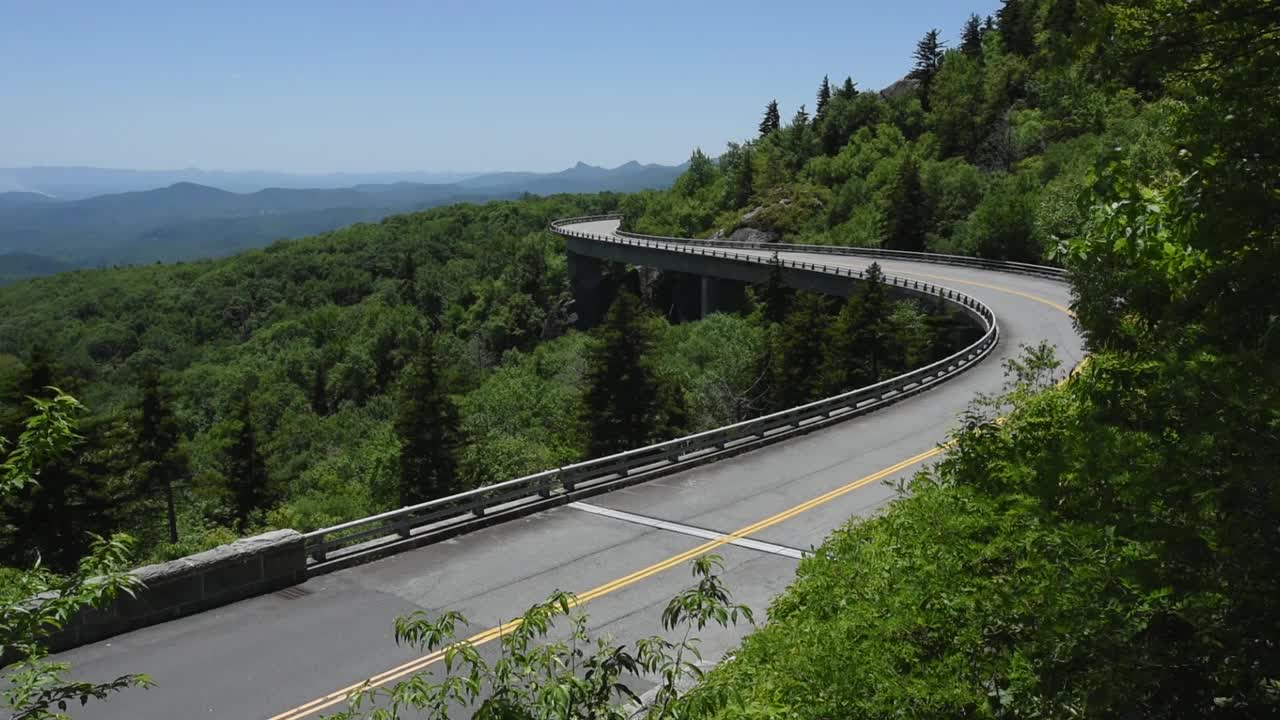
(262, 657)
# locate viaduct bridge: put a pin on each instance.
(313, 616)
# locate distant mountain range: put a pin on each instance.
(41, 234)
(78, 183)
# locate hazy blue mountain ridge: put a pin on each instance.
(187, 220)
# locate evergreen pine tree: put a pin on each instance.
(38, 374)
(798, 354)
(824, 97)
(52, 520)
(971, 38)
(800, 140)
(801, 118)
(408, 276)
(872, 330)
(845, 366)
(246, 469)
(743, 179)
(777, 298)
(1014, 20)
(163, 461)
(928, 57)
(772, 119)
(849, 89)
(1061, 18)
(624, 403)
(907, 214)
(320, 388)
(427, 425)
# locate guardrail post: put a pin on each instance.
(478, 512)
(319, 555)
(404, 530)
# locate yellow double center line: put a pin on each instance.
(494, 633)
(323, 703)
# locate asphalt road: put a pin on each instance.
(289, 657)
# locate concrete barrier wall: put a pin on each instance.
(247, 567)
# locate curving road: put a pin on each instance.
(291, 655)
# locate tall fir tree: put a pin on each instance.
(845, 366)
(408, 276)
(427, 425)
(777, 297)
(907, 216)
(971, 37)
(800, 119)
(799, 140)
(52, 521)
(1062, 17)
(928, 60)
(37, 375)
(772, 120)
(798, 351)
(625, 404)
(159, 447)
(873, 329)
(246, 469)
(1015, 23)
(849, 89)
(743, 179)
(320, 388)
(824, 97)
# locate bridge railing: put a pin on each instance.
(1046, 271)
(878, 253)
(455, 511)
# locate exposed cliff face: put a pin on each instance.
(902, 88)
(754, 235)
(784, 212)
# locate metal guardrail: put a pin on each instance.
(370, 533)
(1044, 271)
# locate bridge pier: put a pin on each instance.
(719, 295)
(588, 283)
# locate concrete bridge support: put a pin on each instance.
(722, 295)
(591, 290)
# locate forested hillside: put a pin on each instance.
(330, 378)
(1100, 547)
(983, 149)
(1104, 547)
(40, 235)
(1111, 549)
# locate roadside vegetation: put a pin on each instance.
(1101, 547)
(331, 378)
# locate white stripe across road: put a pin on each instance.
(690, 530)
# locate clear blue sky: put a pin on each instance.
(324, 86)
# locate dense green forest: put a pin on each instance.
(1111, 549)
(1100, 547)
(983, 149)
(42, 235)
(330, 378)
(1105, 547)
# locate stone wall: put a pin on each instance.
(247, 567)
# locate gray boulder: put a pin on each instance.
(753, 235)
